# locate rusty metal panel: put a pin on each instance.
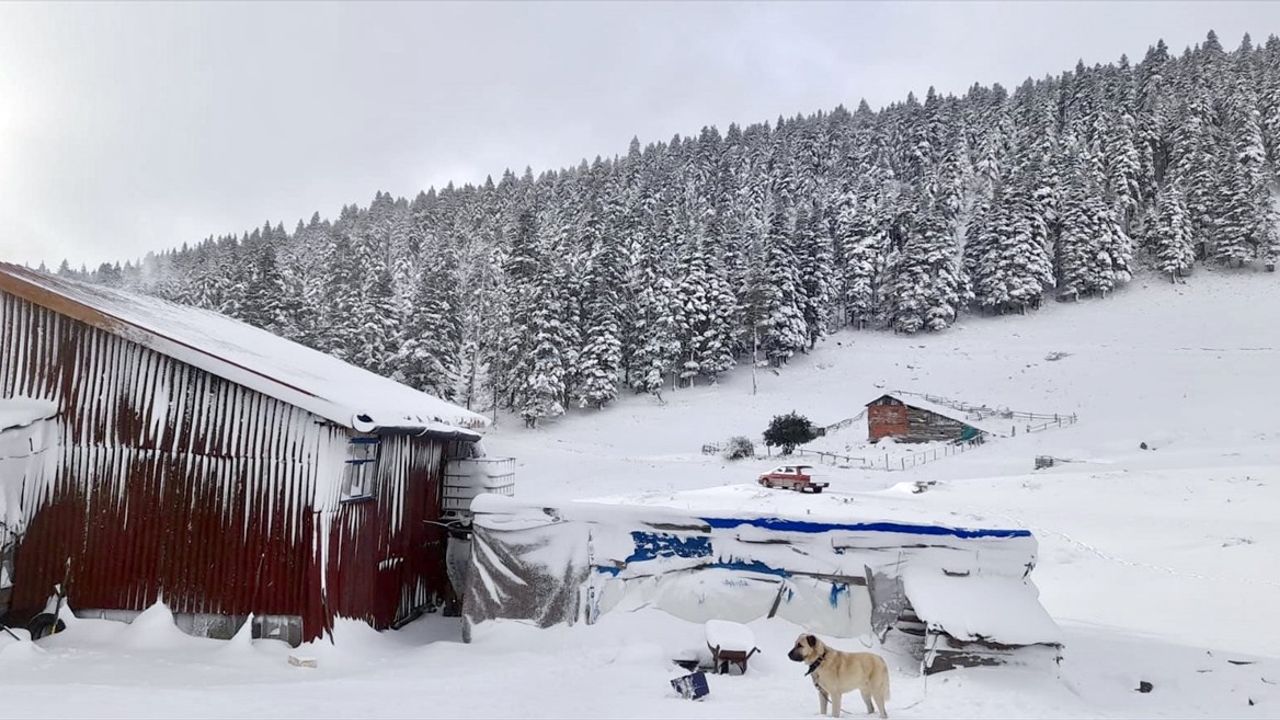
(385, 558)
(173, 482)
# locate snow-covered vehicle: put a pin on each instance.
(792, 477)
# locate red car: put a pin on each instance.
(792, 477)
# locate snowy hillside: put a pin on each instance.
(1158, 563)
(671, 263)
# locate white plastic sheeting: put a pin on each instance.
(575, 561)
(16, 412)
(29, 454)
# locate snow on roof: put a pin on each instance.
(280, 368)
(987, 425)
(19, 412)
(995, 608)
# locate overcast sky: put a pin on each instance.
(127, 128)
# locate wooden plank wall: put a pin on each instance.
(926, 426)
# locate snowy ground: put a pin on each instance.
(1159, 563)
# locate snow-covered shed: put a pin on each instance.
(916, 419)
(956, 596)
(149, 449)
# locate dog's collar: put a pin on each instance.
(816, 663)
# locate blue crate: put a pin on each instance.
(692, 686)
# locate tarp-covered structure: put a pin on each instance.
(573, 562)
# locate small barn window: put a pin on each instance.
(362, 462)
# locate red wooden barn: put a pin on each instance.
(152, 450)
(912, 419)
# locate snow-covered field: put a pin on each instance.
(1159, 564)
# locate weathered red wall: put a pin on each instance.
(384, 558)
(174, 481)
(886, 421)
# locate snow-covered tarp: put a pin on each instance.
(573, 562)
(16, 412)
(29, 445)
(309, 379)
(1000, 609)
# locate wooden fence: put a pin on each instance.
(906, 462)
(836, 458)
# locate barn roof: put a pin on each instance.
(280, 368)
(986, 425)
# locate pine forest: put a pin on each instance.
(671, 264)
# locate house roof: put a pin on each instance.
(986, 425)
(280, 368)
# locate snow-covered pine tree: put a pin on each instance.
(1152, 108)
(1120, 164)
(544, 387)
(1169, 238)
(925, 283)
(1268, 80)
(428, 356)
(264, 292)
(378, 329)
(600, 362)
(816, 267)
(1007, 255)
(1247, 216)
(537, 340)
(782, 328)
(651, 281)
(1093, 251)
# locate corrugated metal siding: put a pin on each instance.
(176, 482)
(387, 540)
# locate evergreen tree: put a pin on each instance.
(1170, 237)
(1008, 256)
(926, 285)
(264, 293)
(782, 328)
(817, 271)
(601, 357)
(428, 356)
